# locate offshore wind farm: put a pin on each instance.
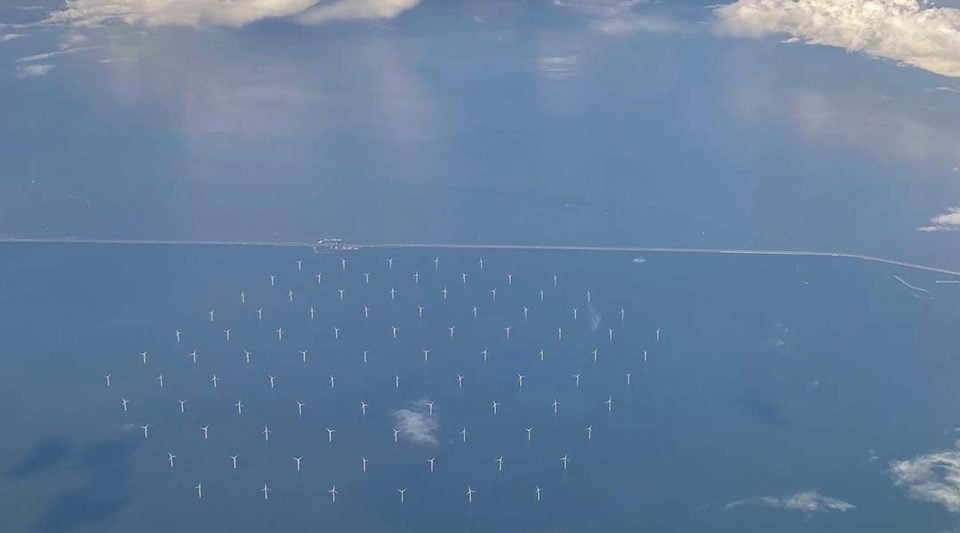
(475, 388)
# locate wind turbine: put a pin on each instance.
(290, 294)
(266, 433)
(171, 457)
(143, 355)
(416, 277)
(494, 293)
(555, 405)
(273, 380)
(340, 292)
(444, 292)
(182, 402)
(365, 352)
(520, 379)
(463, 277)
(366, 278)
(330, 433)
(389, 263)
(451, 329)
(431, 461)
(160, 380)
(402, 492)
(336, 333)
(107, 377)
(300, 408)
(495, 405)
(303, 355)
(393, 293)
(343, 264)
(145, 428)
(297, 460)
(463, 433)
(273, 280)
(430, 408)
(564, 460)
(226, 333)
(199, 489)
(363, 462)
(577, 377)
(193, 355)
(459, 381)
(589, 430)
(507, 331)
(280, 334)
(234, 458)
(299, 265)
(484, 352)
(470, 494)
(259, 313)
(609, 403)
(426, 354)
(436, 263)
(332, 381)
(210, 314)
(538, 492)
(529, 431)
(124, 402)
(312, 312)
(333, 494)
(363, 408)
(206, 431)
(394, 329)
(239, 406)
(178, 333)
(266, 492)
(319, 277)
(243, 297)
(420, 311)
(396, 435)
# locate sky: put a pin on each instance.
(811, 124)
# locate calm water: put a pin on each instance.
(773, 376)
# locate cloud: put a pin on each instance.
(558, 68)
(640, 24)
(7, 37)
(808, 502)
(907, 31)
(33, 71)
(595, 318)
(949, 221)
(356, 9)
(235, 13)
(415, 424)
(934, 477)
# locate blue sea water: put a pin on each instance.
(773, 376)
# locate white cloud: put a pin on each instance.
(601, 8)
(33, 71)
(7, 37)
(949, 221)
(640, 24)
(934, 477)
(809, 502)
(356, 9)
(595, 318)
(415, 424)
(908, 31)
(558, 68)
(234, 13)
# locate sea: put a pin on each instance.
(722, 393)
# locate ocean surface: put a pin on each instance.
(781, 395)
